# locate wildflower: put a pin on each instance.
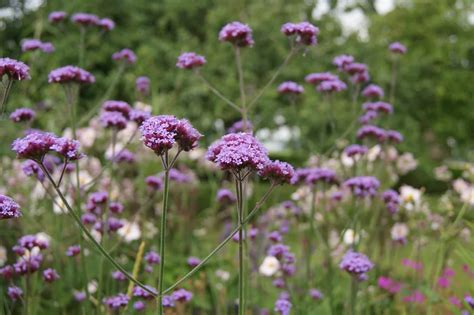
(190, 60)
(124, 156)
(14, 293)
(50, 275)
(79, 296)
(283, 306)
(193, 261)
(373, 91)
(444, 282)
(415, 297)
(167, 301)
(22, 115)
(14, 69)
(225, 196)
(269, 266)
(8, 208)
(290, 87)
(389, 285)
(113, 120)
(106, 24)
(238, 126)
(393, 136)
(277, 172)
(315, 294)
(125, 55)
(354, 150)
(88, 218)
(399, 232)
(406, 163)
(130, 231)
(397, 48)
(139, 306)
(117, 106)
(7, 272)
(28, 266)
(367, 117)
(142, 293)
(379, 107)
(73, 250)
(85, 19)
(392, 200)
(142, 85)
(116, 302)
(70, 74)
(369, 131)
(317, 78)
(139, 116)
(152, 258)
(182, 295)
(410, 197)
(35, 44)
(331, 86)
(305, 32)
(356, 263)
(469, 300)
(237, 34)
(275, 237)
(68, 148)
(160, 133)
(114, 224)
(363, 186)
(57, 16)
(342, 61)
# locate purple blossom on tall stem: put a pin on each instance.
(14, 293)
(12, 70)
(9, 208)
(397, 49)
(57, 16)
(237, 33)
(142, 84)
(342, 61)
(106, 24)
(22, 115)
(85, 19)
(373, 91)
(290, 87)
(304, 32)
(363, 186)
(126, 56)
(190, 60)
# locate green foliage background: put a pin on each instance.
(434, 95)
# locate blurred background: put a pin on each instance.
(434, 98)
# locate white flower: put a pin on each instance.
(222, 274)
(59, 207)
(406, 162)
(348, 161)
(3, 255)
(150, 230)
(442, 173)
(467, 195)
(374, 152)
(130, 231)
(460, 185)
(410, 197)
(43, 237)
(269, 266)
(92, 287)
(350, 237)
(399, 231)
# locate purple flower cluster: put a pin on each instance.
(363, 186)
(139, 116)
(368, 117)
(392, 200)
(14, 293)
(237, 151)
(113, 120)
(142, 85)
(389, 285)
(117, 301)
(73, 250)
(225, 196)
(181, 295)
(35, 44)
(57, 16)
(50, 275)
(31, 168)
(152, 258)
(355, 150)
(283, 306)
(14, 69)
(379, 107)
(315, 294)
(85, 19)
(290, 87)
(239, 125)
(397, 48)
(160, 133)
(22, 115)
(311, 176)
(342, 61)
(356, 263)
(106, 24)
(237, 34)
(305, 33)
(117, 106)
(373, 91)
(331, 86)
(190, 60)
(125, 55)
(318, 77)
(142, 293)
(9, 208)
(358, 71)
(70, 74)
(370, 131)
(277, 172)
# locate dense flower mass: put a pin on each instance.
(356, 263)
(237, 151)
(278, 172)
(70, 74)
(305, 32)
(237, 33)
(68, 148)
(9, 208)
(190, 60)
(126, 55)
(22, 115)
(160, 133)
(14, 69)
(363, 186)
(397, 48)
(116, 302)
(290, 87)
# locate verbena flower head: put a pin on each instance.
(152, 258)
(331, 86)
(315, 294)
(9, 208)
(117, 301)
(393, 136)
(225, 196)
(355, 263)
(50, 275)
(31, 241)
(238, 126)
(117, 106)
(139, 116)
(70, 74)
(237, 33)
(34, 145)
(305, 32)
(47, 47)
(106, 24)
(397, 48)
(154, 182)
(363, 186)
(73, 250)
(113, 120)
(168, 301)
(57, 16)
(290, 87)
(373, 91)
(68, 148)
(142, 293)
(360, 77)
(277, 172)
(355, 150)
(238, 151)
(342, 61)
(190, 60)
(370, 131)
(31, 168)
(14, 69)
(311, 176)
(379, 107)
(469, 300)
(22, 115)
(193, 261)
(283, 306)
(139, 306)
(125, 55)
(389, 285)
(318, 77)
(182, 295)
(35, 44)
(142, 85)
(28, 266)
(368, 117)
(355, 68)
(14, 293)
(160, 133)
(85, 19)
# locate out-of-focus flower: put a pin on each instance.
(106, 24)
(130, 231)
(70, 74)
(125, 55)
(182, 295)
(406, 163)
(342, 61)
(363, 186)
(305, 33)
(9, 208)
(350, 237)
(269, 266)
(399, 232)
(410, 197)
(14, 69)
(416, 297)
(316, 294)
(397, 48)
(389, 285)
(190, 60)
(117, 301)
(85, 19)
(222, 274)
(290, 87)
(373, 91)
(142, 85)
(22, 115)
(14, 293)
(356, 263)
(277, 172)
(283, 306)
(50, 275)
(57, 16)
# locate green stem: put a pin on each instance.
(216, 91)
(243, 106)
(162, 237)
(82, 47)
(240, 214)
(353, 299)
(309, 237)
(89, 235)
(6, 92)
(393, 80)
